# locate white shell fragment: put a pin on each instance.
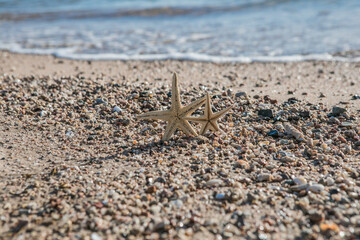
(292, 131)
(214, 182)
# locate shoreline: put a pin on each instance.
(345, 56)
(328, 82)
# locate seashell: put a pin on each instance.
(292, 131)
(346, 124)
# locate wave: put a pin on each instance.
(71, 54)
(146, 12)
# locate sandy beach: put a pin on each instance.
(75, 162)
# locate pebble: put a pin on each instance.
(329, 181)
(220, 196)
(266, 113)
(214, 182)
(95, 236)
(151, 189)
(304, 114)
(300, 181)
(316, 216)
(70, 134)
(273, 133)
(42, 113)
(336, 111)
(99, 101)
(316, 188)
(241, 94)
(355, 97)
(298, 188)
(117, 109)
(177, 203)
(264, 177)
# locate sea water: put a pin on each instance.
(203, 30)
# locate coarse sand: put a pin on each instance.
(75, 163)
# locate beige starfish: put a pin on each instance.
(176, 114)
(209, 119)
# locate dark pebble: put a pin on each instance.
(266, 113)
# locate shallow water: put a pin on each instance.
(212, 30)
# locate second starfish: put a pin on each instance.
(209, 119)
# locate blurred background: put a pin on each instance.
(206, 30)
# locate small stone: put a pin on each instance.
(117, 109)
(316, 188)
(20, 225)
(273, 133)
(124, 122)
(69, 134)
(151, 189)
(266, 113)
(336, 111)
(95, 236)
(350, 133)
(99, 101)
(264, 177)
(7, 206)
(304, 114)
(241, 94)
(214, 182)
(316, 216)
(355, 97)
(300, 181)
(177, 203)
(329, 181)
(324, 227)
(32, 205)
(220, 196)
(242, 164)
(42, 113)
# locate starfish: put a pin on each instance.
(209, 119)
(177, 113)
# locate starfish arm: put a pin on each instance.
(187, 128)
(192, 107)
(219, 114)
(175, 93)
(156, 115)
(170, 129)
(204, 127)
(208, 112)
(200, 119)
(214, 125)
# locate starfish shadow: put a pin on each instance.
(149, 148)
